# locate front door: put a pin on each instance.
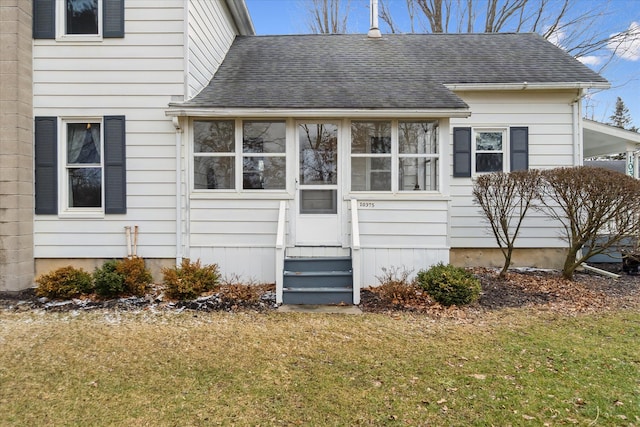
(317, 185)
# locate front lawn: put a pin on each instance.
(508, 367)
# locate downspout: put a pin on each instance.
(578, 159)
(176, 124)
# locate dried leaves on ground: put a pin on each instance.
(543, 290)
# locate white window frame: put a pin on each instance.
(238, 155)
(504, 151)
(63, 171)
(61, 25)
(395, 156)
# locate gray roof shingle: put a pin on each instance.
(405, 71)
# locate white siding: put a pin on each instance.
(238, 235)
(211, 32)
(136, 76)
(549, 117)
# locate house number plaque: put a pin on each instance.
(366, 204)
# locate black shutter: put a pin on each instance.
(519, 138)
(115, 171)
(461, 152)
(113, 18)
(44, 18)
(46, 165)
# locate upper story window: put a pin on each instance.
(256, 162)
(78, 20)
(81, 17)
(394, 156)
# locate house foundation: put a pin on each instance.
(552, 258)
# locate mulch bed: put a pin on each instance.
(522, 288)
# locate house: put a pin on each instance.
(312, 161)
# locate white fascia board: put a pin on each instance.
(526, 86)
(324, 113)
(241, 17)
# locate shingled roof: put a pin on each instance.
(406, 71)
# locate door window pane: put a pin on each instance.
(82, 17)
(318, 154)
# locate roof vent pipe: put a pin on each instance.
(374, 32)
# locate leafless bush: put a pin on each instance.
(505, 199)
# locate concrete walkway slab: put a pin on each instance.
(331, 309)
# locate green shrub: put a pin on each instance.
(449, 285)
(108, 282)
(127, 276)
(190, 279)
(136, 276)
(63, 283)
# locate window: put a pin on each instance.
(489, 150)
(214, 155)
(371, 156)
(83, 165)
(395, 156)
(81, 17)
(263, 160)
(418, 156)
(260, 157)
(78, 19)
(82, 170)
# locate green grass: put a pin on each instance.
(509, 368)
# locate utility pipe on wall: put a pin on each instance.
(176, 124)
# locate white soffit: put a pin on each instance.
(601, 139)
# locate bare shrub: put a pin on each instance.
(591, 204)
(505, 199)
(395, 286)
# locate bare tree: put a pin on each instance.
(505, 199)
(580, 31)
(597, 209)
(328, 16)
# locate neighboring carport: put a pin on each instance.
(601, 139)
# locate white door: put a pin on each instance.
(317, 185)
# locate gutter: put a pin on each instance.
(525, 86)
(320, 113)
(241, 17)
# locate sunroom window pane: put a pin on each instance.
(264, 173)
(370, 174)
(82, 17)
(85, 187)
(214, 173)
(418, 137)
(370, 137)
(263, 137)
(214, 136)
(418, 174)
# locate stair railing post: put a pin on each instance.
(355, 251)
